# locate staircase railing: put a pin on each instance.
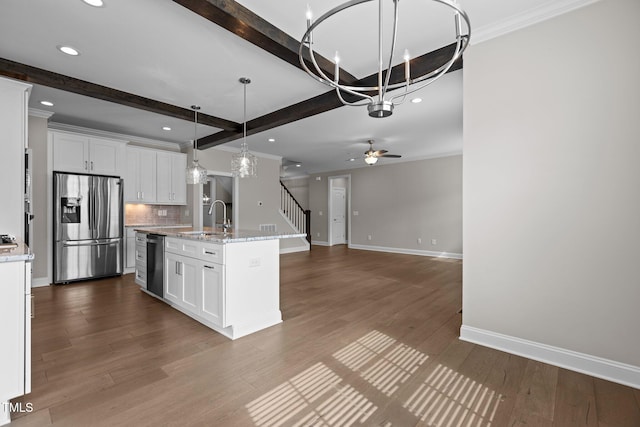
(299, 217)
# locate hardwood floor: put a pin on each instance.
(368, 339)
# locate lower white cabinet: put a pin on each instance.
(192, 281)
(140, 255)
(233, 288)
(213, 293)
(182, 286)
(15, 315)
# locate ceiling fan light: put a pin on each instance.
(370, 160)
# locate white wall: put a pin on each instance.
(551, 198)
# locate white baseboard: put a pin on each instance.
(319, 243)
(296, 249)
(39, 282)
(451, 255)
(606, 369)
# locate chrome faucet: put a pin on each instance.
(226, 225)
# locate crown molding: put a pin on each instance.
(43, 114)
(525, 19)
(113, 135)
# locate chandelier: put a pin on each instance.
(377, 99)
(244, 164)
(195, 173)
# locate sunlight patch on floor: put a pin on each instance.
(449, 399)
(300, 397)
(361, 351)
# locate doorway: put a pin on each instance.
(339, 202)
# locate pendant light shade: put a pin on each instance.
(244, 164)
(195, 173)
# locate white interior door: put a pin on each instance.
(338, 216)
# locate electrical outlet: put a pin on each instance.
(356, 213)
(419, 241)
(318, 178)
(317, 234)
(254, 262)
(369, 237)
(434, 242)
(320, 213)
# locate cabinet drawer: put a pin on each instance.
(185, 247)
(141, 238)
(211, 252)
(141, 253)
(141, 274)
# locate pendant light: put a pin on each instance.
(244, 164)
(195, 173)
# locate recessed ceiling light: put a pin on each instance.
(95, 3)
(69, 50)
(298, 165)
(352, 160)
(271, 140)
(416, 100)
(47, 103)
(166, 128)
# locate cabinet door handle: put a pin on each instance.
(142, 195)
(33, 306)
(210, 253)
(92, 165)
(178, 269)
(209, 267)
(86, 165)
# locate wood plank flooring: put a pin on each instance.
(368, 339)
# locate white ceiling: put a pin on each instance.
(160, 50)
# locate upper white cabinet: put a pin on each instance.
(140, 179)
(87, 154)
(172, 185)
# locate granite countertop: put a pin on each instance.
(18, 253)
(216, 235)
(158, 225)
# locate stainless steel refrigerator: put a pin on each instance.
(87, 227)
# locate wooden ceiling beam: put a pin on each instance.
(42, 77)
(329, 100)
(242, 22)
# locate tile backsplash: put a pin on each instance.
(137, 214)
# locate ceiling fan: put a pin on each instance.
(371, 156)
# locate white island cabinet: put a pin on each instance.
(234, 288)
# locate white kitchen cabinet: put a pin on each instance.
(237, 284)
(182, 281)
(140, 256)
(15, 317)
(171, 181)
(212, 307)
(140, 179)
(86, 154)
(130, 249)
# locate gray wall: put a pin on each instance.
(265, 189)
(551, 199)
(299, 188)
(397, 204)
(41, 233)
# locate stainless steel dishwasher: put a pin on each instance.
(155, 264)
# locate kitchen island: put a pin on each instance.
(226, 280)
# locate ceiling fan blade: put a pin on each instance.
(395, 156)
(380, 153)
